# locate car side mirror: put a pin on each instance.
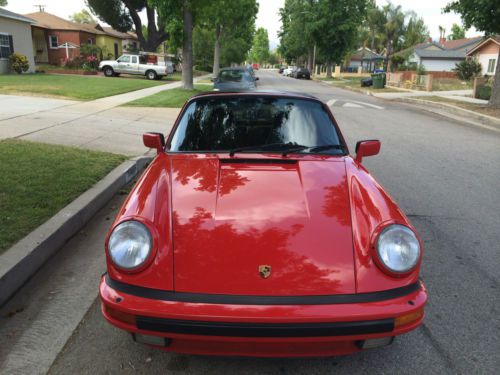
(154, 140)
(367, 148)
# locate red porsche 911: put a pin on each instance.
(253, 232)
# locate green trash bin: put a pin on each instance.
(378, 80)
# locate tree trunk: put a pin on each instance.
(187, 49)
(310, 58)
(329, 70)
(216, 52)
(495, 89)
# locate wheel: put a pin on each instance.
(151, 75)
(108, 71)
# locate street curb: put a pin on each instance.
(23, 260)
(461, 114)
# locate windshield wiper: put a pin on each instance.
(287, 147)
(326, 147)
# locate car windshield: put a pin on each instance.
(255, 123)
(234, 76)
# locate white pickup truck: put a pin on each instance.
(134, 64)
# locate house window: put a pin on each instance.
(89, 40)
(491, 65)
(53, 41)
(5, 46)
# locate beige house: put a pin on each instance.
(15, 36)
(486, 53)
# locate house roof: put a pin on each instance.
(365, 55)
(14, 16)
(460, 43)
(440, 54)
(51, 21)
(112, 32)
(493, 39)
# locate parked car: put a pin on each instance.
(235, 79)
(281, 69)
(302, 73)
(134, 64)
(254, 232)
(288, 71)
(256, 66)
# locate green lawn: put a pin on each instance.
(174, 98)
(446, 84)
(38, 180)
(71, 86)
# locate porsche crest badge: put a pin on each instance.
(264, 271)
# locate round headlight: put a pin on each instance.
(398, 248)
(130, 244)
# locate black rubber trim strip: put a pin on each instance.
(264, 329)
(227, 299)
(258, 161)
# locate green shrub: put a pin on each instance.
(483, 92)
(90, 50)
(421, 71)
(468, 69)
(19, 63)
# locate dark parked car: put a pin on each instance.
(235, 79)
(281, 70)
(302, 73)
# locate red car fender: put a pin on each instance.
(142, 205)
(371, 210)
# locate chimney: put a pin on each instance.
(442, 41)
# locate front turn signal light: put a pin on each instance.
(408, 318)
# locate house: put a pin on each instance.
(364, 57)
(486, 52)
(129, 41)
(56, 39)
(15, 36)
(442, 56)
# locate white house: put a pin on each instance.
(15, 36)
(442, 56)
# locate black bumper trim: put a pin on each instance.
(264, 329)
(227, 299)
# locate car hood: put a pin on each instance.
(261, 226)
(104, 62)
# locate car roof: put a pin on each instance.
(235, 68)
(265, 93)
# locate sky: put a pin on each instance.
(268, 16)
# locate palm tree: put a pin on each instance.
(393, 29)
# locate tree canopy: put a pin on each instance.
(260, 47)
(82, 16)
(3, 3)
(123, 15)
(457, 32)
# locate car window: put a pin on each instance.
(124, 59)
(234, 76)
(134, 59)
(225, 123)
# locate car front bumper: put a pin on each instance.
(261, 326)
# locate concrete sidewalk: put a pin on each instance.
(98, 124)
(459, 95)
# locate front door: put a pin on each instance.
(116, 50)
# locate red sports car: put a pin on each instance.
(253, 232)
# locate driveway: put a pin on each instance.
(99, 124)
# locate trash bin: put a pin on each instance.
(378, 80)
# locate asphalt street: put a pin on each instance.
(444, 174)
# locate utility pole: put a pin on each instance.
(41, 7)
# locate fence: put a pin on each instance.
(415, 81)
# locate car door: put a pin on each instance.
(123, 63)
(133, 67)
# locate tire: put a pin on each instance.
(108, 71)
(151, 75)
